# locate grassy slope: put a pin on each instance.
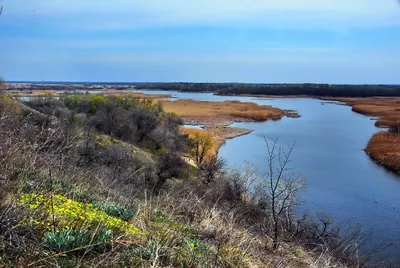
(179, 228)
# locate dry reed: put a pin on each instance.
(387, 109)
(248, 110)
(384, 147)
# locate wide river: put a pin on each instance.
(341, 179)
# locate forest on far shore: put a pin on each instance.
(321, 90)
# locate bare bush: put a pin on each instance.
(210, 168)
(280, 190)
(169, 166)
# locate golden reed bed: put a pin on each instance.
(219, 113)
(385, 108)
(384, 147)
(248, 110)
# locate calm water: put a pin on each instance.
(341, 178)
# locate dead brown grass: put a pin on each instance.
(248, 110)
(33, 93)
(384, 147)
(386, 108)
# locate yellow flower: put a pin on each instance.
(67, 210)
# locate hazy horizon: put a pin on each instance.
(163, 82)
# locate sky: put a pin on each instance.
(253, 41)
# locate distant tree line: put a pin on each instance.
(320, 90)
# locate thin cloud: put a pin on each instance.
(283, 49)
(124, 14)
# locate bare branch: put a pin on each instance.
(281, 190)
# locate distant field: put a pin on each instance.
(55, 93)
(248, 110)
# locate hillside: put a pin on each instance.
(100, 181)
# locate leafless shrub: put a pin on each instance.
(169, 166)
(280, 189)
(210, 168)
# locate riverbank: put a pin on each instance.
(383, 147)
(385, 109)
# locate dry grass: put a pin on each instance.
(384, 147)
(248, 110)
(33, 93)
(387, 109)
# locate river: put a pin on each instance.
(329, 141)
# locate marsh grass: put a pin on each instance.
(248, 110)
(384, 147)
(385, 108)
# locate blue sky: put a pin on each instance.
(322, 41)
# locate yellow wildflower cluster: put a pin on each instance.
(69, 214)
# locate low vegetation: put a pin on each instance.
(386, 109)
(384, 147)
(95, 181)
(43, 92)
(247, 110)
